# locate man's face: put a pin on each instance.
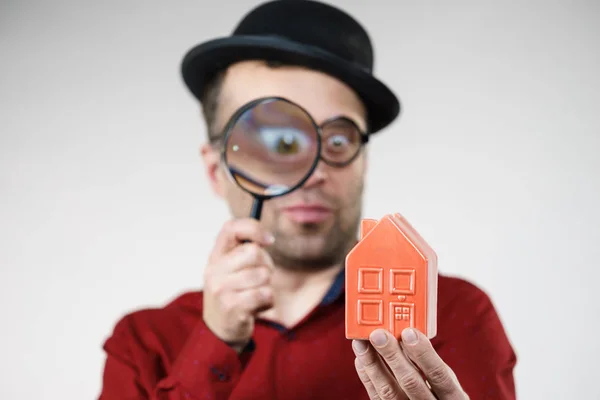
(305, 238)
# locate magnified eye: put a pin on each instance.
(287, 144)
(338, 143)
(284, 140)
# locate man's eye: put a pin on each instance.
(287, 144)
(284, 141)
(338, 142)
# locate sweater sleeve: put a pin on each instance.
(205, 368)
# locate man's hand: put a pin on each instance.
(404, 360)
(236, 281)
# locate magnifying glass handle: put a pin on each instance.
(256, 208)
(256, 211)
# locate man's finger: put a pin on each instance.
(250, 278)
(364, 378)
(383, 381)
(239, 231)
(244, 256)
(407, 376)
(442, 379)
(254, 300)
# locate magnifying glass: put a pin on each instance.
(271, 147)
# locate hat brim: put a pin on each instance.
(203, 61)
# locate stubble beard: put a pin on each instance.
(314, 250)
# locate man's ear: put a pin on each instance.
(365, 159)
(212, 159)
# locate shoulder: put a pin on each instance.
(188, 303)
(179, 313)
(453, 283)
(472, 339)
(467, 310)
(461, 295)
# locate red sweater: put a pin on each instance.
(168, 353)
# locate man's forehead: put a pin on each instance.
(321, 95)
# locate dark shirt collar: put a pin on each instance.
(336, 289)
(335, 292)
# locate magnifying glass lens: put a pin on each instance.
(272, 147)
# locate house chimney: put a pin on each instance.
(365, 226)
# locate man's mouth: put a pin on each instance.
(308, 213)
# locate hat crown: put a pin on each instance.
(311, 23)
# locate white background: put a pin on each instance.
(104, 207)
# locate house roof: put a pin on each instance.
(410, 244)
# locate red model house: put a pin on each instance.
(391, 280)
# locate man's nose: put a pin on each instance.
(318, 177)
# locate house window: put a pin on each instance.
(402, 281)
(370, 280)
(370, 312)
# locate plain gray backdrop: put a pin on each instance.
(104, 207)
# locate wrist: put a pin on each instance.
(239, 346)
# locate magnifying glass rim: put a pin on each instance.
(227, 135)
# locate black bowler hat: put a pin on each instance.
(304, 33)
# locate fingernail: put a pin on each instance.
(409, 336)
(360, 346)
(379, 338)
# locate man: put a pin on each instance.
(269, 323)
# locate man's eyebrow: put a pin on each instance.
(359, 121)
